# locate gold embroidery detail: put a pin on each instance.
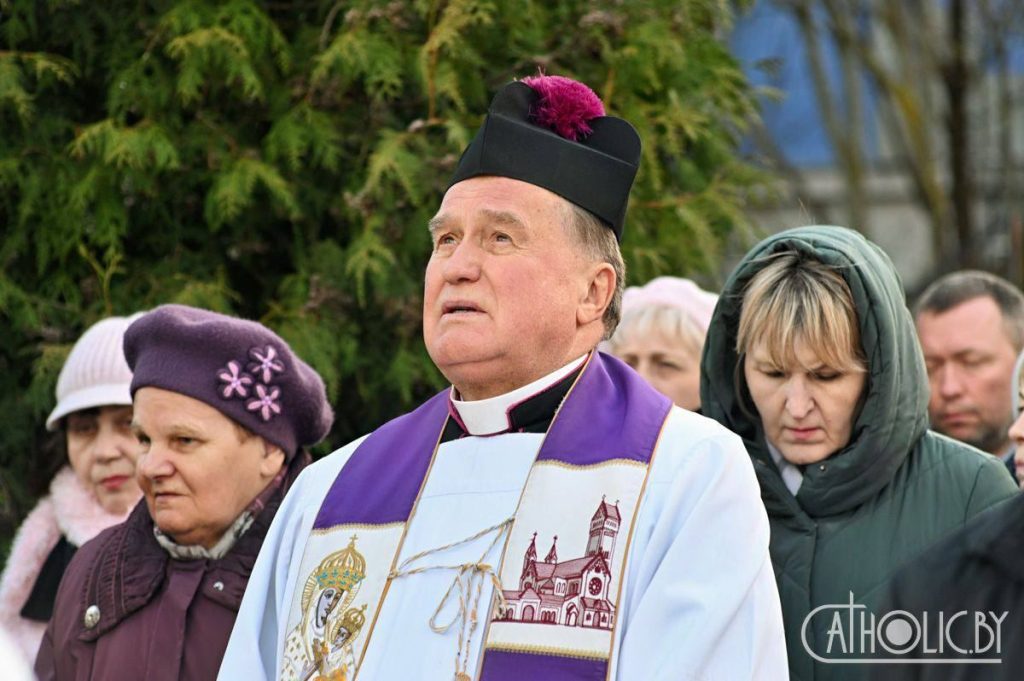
(590, 466)
(354, 527)
(320, 647)
(547, 650)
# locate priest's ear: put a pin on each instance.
(601, 282)
(603, 272)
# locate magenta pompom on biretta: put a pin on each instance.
(237, 366)
(566, 106)
(552, 132)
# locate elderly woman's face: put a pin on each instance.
(807, 410)
(670, 369)
(102, 451)
(197, 472)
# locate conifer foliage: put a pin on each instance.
(280, 160)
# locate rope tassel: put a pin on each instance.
(467, 576)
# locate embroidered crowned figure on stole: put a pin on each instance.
(319, 648)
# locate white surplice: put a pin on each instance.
(699, 599)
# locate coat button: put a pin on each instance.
(219, 586)
(92, 617)
(822, 467)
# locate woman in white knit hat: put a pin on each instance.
(96, 489)
(661, 335)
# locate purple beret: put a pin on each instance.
(239, 367)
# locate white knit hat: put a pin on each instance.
(673, 292)
(95, 373)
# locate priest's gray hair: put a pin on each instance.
(598, 243)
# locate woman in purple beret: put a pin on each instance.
(223, 410)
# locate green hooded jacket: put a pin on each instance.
(893, 490)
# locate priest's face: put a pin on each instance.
(198, 469)
(504, 286)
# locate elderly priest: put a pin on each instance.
(550, 516)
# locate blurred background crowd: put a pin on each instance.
(278, 160)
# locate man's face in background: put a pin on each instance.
(970, 361)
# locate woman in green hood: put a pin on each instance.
(813, 360)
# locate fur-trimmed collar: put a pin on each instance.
(79, 515)
(69, 510)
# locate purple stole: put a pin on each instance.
(559, 617)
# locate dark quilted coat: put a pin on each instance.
(894, 490)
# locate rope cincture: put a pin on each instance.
(469, 600)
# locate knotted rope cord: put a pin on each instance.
(469, 601)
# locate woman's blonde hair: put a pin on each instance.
(797, 298)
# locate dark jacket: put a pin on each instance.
(159, 619)
(979, 569)
(896, 487)
(1011, 466)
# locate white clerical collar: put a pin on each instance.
(490, 416)
(791, 474)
